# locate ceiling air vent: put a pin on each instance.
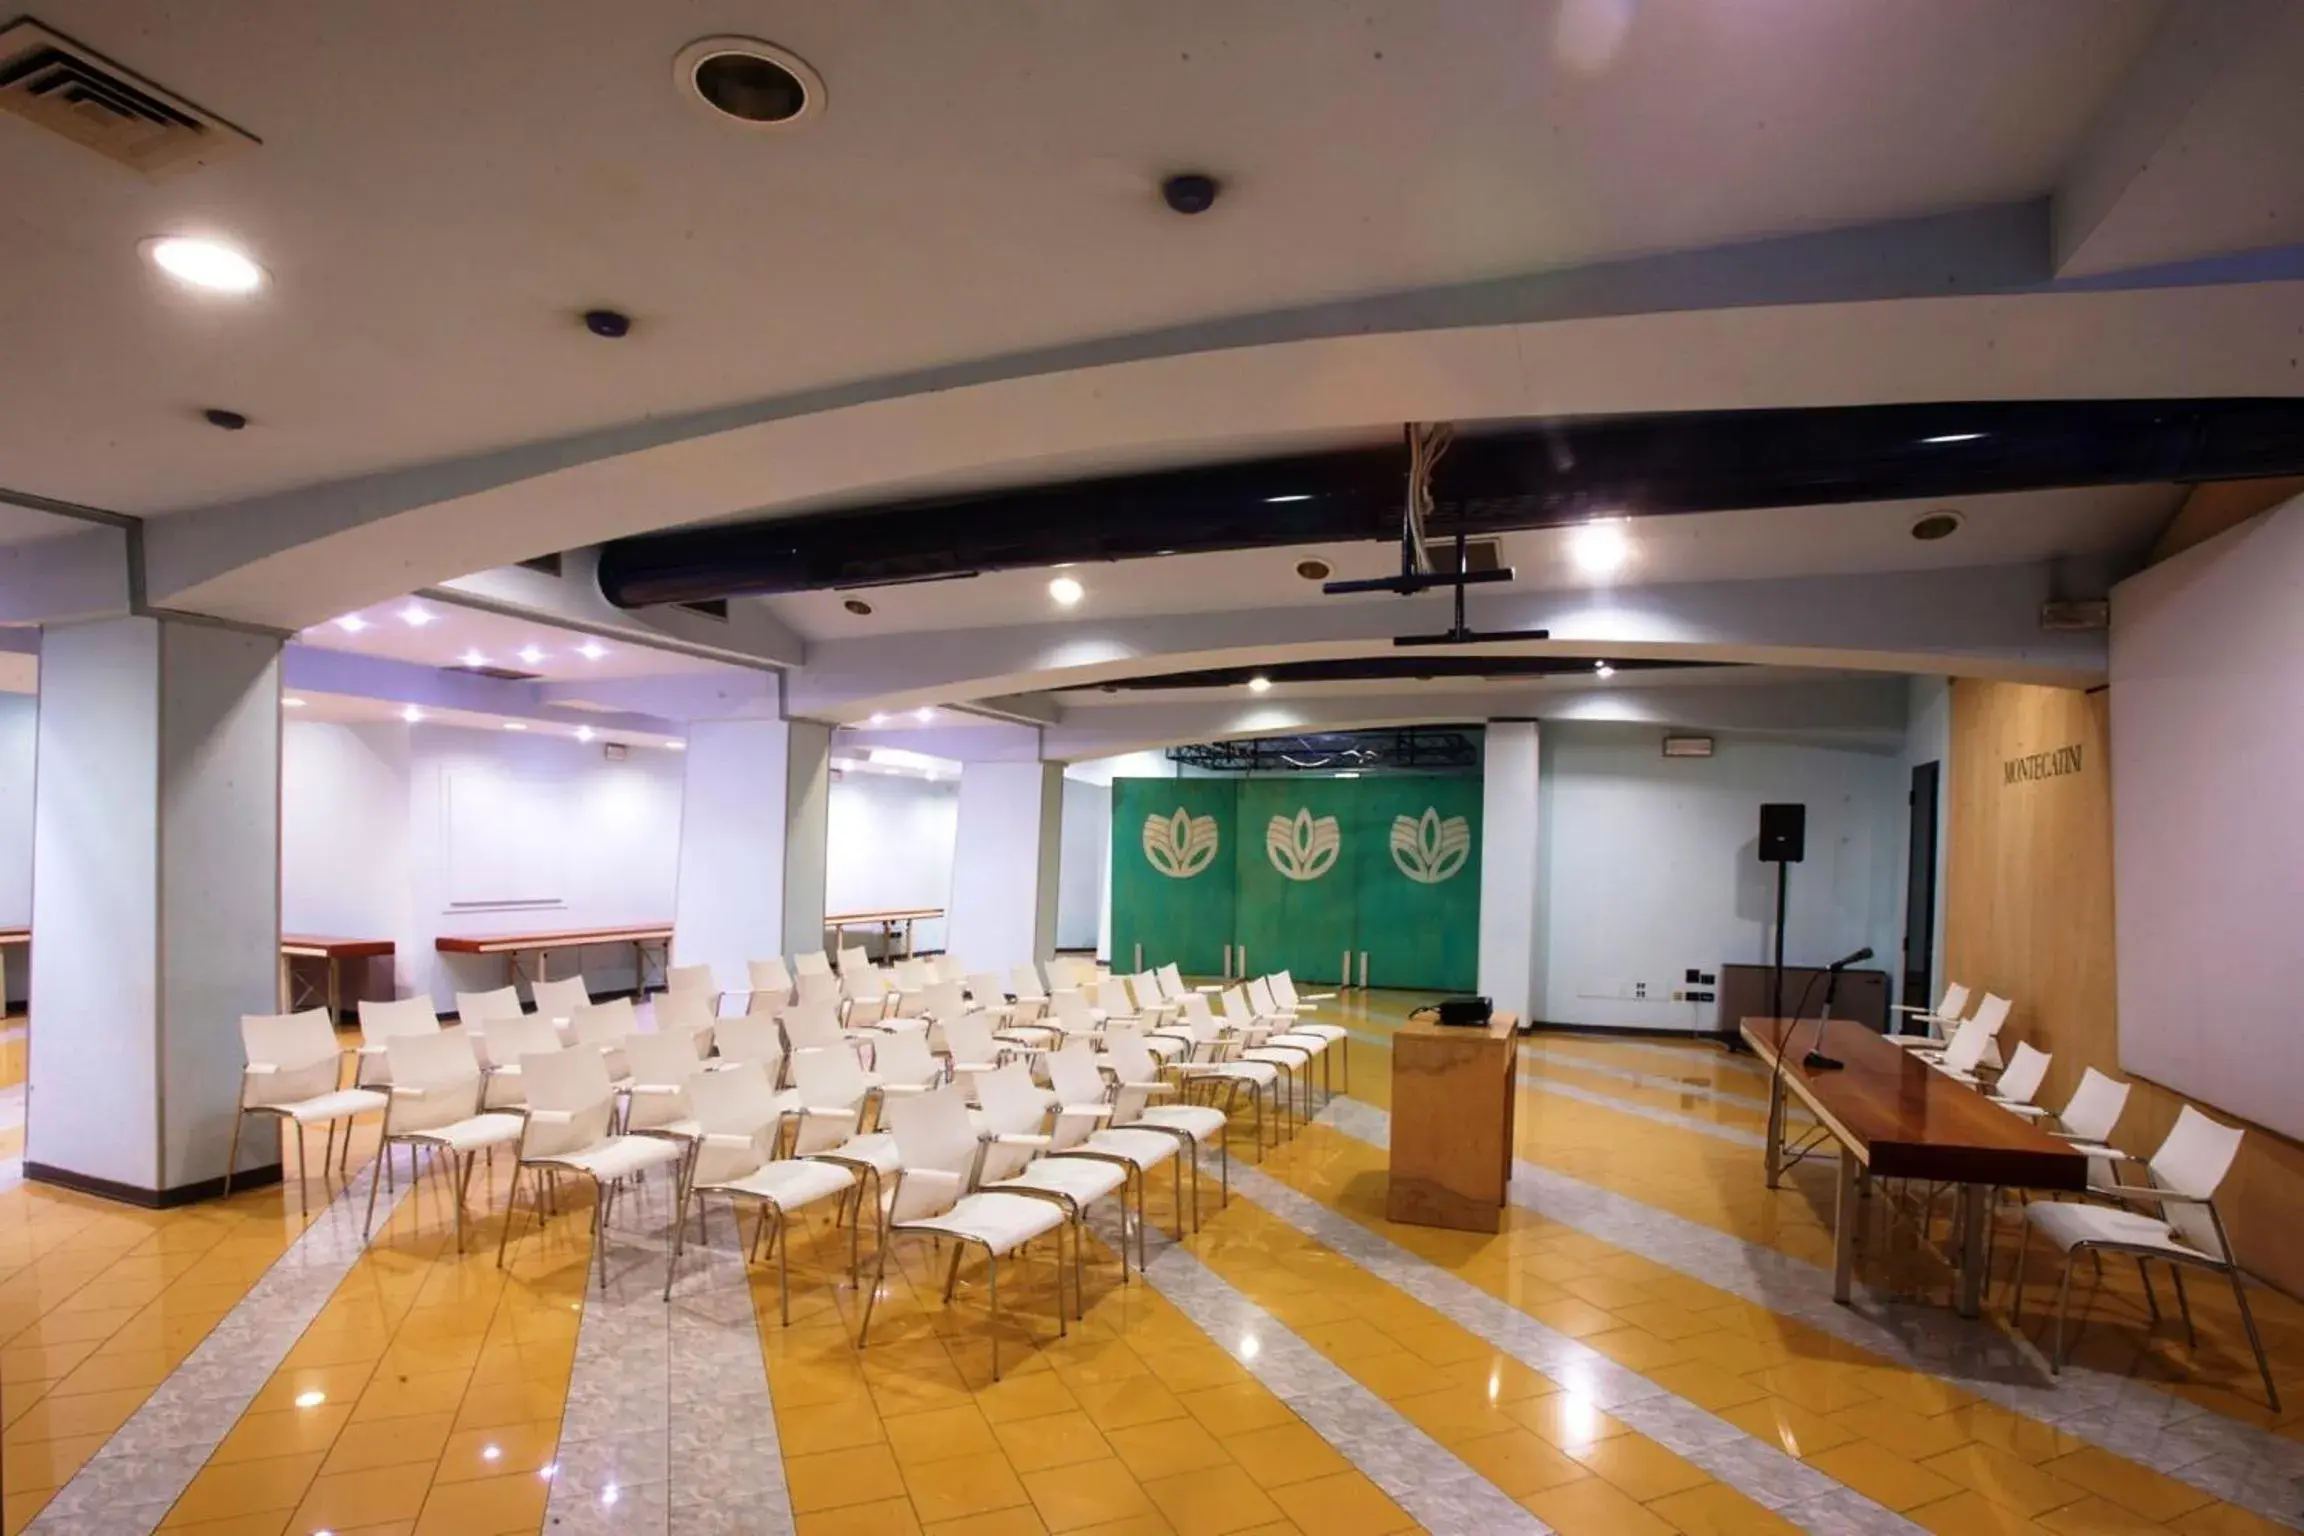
(501, 674)
(548, 564)
(78, 94)
(710, 607)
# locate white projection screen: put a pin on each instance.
(2208, 820)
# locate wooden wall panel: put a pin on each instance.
(2028, 914)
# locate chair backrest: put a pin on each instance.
(985, 990)
(814, 1027)
(666, 1058)
(475, 1009)
(447, 1071)
(571, 1083)
(1955, 1000)
(943, 1000)
(854, 959)
(902, 1058)
(1284, 989)
(560, 999)
(1124, 1048)
(689, 1011)
(1991, 1013)
(1112, 997)
(912, 975)
(380, 1019)
(691, 978)
(1260, 996)
(1058, 970)
(936, 1148)
(1073, 1073)
(864, 984)
(2193, 1161)
(1966, 1047)
(1027, 983)
(812, 963)
(300, 1046)
(968, 1036)
(507, 1040)
(817, 987)
(605, 1023)
(1070, 1006)
(1012, 1103)
(753, 1040)
(2094, 1108)
(2021, 1079)
(771, 984)
(736, 1108)
(829, 1079)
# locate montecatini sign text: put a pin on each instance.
(2054, 763)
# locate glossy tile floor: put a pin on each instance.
(1649, 1347)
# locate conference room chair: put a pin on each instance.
(903, 1064)
(1074, 1018)
(380, 1020)
(475, 1009)
(1026, 987)
(559, 1000)
(663, 1066)
(1991, 1013)
(2019, 1082)
(1292, 1033)
(985, 991)
(1217, 1058)
(866, 996)
(506, 1042)
(694, 978)
(2172, 1217)
(292, 1076)
(1024, 1155)
(688, 1013)
(740, 1116)
(1172, 987)
(813, 963)
(852, 959)
(771, 984)
(2088, 1119)
(436, 1105)
(939, 1002)
(934, 1195)
(1279, 999)
(1085, 1103)
(751, 1040)
(814, 988)
(971, 1047)
(1962, 1054)
(571, 1129)
(832, 1094)
(1146, 1000)
(1935, 1023)
(1256, 1040)
(601, 1030)
(1141, 1095)
(816, 1027)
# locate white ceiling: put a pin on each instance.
(21, 525)
(352, 709)
(450, 633)
(2114, 522)
(442, 185)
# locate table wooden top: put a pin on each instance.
(15, 935)
(551, 938)
(1906, 1120)
(332, 947)
(893, 915)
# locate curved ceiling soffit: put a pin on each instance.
(299, 558)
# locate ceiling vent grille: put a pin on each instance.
(501, 674)
(78, 94)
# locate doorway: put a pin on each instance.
(1919, 984)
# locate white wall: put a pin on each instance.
(1650, 864)
(19, 714)
(344, 795)
(2207, 823)
(890, 845)
(1086, 851)
(1004, 866)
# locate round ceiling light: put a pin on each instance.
(749, 81)
(1066, 591)
(207, 264)
(1939, 524)
(858, 607)
(1600, 549)
(1314, 570)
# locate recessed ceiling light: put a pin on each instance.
(514, 725)
(351, 623)
(473, 658)
(591, 650)
(675, 745)
(1066, 591)
(924, 713)
(412, 715)
(1274, 501)
(858, 607)
(415, 616)
(206, 264)
(1953, 437)
(291, 702)
(752, 83)
(531, 654)
(1939, 524)
(583, 733)
(1600, 549)
(1314, 569)
(1259, 684)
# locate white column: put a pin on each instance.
(752, 829)
(156, 898)
(1511, 872)
(1004, 864)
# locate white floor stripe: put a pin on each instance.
(2253, 1468)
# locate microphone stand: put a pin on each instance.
(1816, 1060)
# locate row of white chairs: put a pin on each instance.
(2170, 1216)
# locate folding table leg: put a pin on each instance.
(1844, 1219)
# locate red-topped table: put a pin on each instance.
(332, 950)
(641, 936)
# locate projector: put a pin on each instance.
(1473, 1012)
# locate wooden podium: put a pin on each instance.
(1452, 1095)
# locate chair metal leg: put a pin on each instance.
(992, 1284)
(2151, 1297)
(463, 1188)
(952, 1272)
(303, 1197)
(600, 1197)
(879, 1277)
(511, 1211)
(2248, 1321)
(1176, 1167)
(679, 1234)
(368, 1225)
(328, 1148)
(783, 1264)
(232, 1153)
(2184, 1305)
(1143, 1177)
(2023, 1253)
(2063, 1301)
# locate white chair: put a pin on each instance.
(971, 1048)
(740, 1118)
(1934, 1022)
(771, 984)
(1284, 987)
(604, 1027)
(475, 1009)
(689, 1013)
(506, 1042)
(2088, 1119)
(1024, 982)
(1152, 1005)
(570, 1129)
(1139, 1092)
(827, 1103)
(1285, 1034)
(903, 1065)
(1084, 1101)
(293, 1070)
(867, 996)
(911, 975)
(694, 978)
(559, 1000)
(2027, 1069)
(853, 959)
(1024, 1156)
(380, 1020)
(816, 988)
(1963, 1053)
(816, 1027)
(2183, 1228)
(1213, 1059)
(752, 1040)
(1265, 993)
(436, 1104)
(812, 963)
(1172, 983)
(1069, 1011)
(934, 1196)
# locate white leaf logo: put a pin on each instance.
(1180, 846)
(1430, 850)
(1303, 849)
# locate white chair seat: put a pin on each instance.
(1300, 1040)
(789, 1182)
(1328, 1032)
(1197, 1121)
(1255, 1067)
(686, 1129)
(484, 1130)
(2028, 1111)
(618, 1157)
(876, 1151)
(332, 1106)
(2067, 1223)
(1146, 1149)
(1079, 1179)
(1000, 1222)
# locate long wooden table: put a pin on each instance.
(641, 936)
(887, 922)
(1453, 1091)
(1896, 1117)
(334, 951)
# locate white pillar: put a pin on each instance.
(156, 898)
(1004, 864)
(752, 826)
(1511, 872)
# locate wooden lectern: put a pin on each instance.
(1452, 1097)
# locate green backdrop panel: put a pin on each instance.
(1415, 845)
(1172, 883)
(1295, 873)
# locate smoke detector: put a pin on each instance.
(746, 81)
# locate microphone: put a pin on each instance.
(1845, 961)
(1816, 1060)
